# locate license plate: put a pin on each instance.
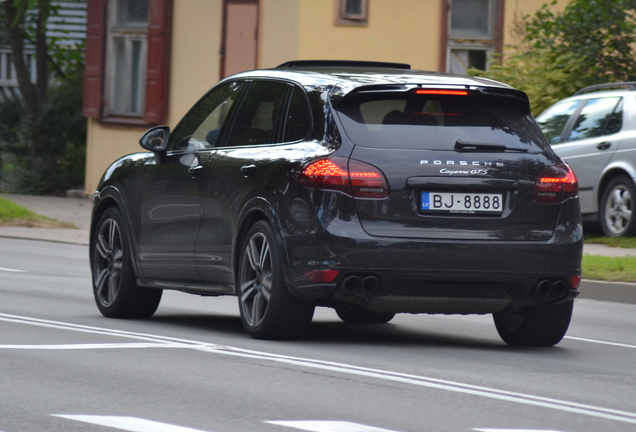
(460, 202)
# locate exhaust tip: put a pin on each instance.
(370, 284)
(559, 288)
(350, 283)
(543, 289)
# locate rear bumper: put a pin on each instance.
(431, 275)
(420, 276)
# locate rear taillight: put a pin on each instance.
(555, 185)
(352, 177)
(322, 276)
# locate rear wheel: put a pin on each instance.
(617, 204)
(114, 283)
(537, 326)
(357, 315)
(268, 309)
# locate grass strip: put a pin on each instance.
(619, 242)
(12, 214)
(617, 269)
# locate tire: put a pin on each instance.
(356, 315)
(114, 282)
(617, 208)
(537, 326)
(268, 310)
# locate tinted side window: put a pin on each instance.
(201, 126)
(298, 120)
(615, 122)
(593, 117)
(554, 120)
(258, 118)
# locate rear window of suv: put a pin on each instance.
(413, 121)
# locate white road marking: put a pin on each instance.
(415, 380)
(514, 430)
(11, 270)
(622, 345)
(130, 424)
(328, 426)
(93, 346)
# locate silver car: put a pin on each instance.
(594, 131)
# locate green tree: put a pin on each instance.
(42, 134)
(589, 42)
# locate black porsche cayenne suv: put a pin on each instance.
(366, 187)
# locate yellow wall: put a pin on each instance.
(515, 10)
(278, 42)
(405, 31)
(195, 59)
(104, 146)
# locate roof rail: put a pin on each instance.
(343, 63)
(630, 85)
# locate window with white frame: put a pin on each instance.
(472, 19)
(352, 12)
(126, 53)
(472, 33)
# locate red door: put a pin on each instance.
(240, 35)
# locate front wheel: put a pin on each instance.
(617, 205)
(536, 326)
(114, 283)
(268, 309)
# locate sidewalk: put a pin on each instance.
(74, 210)
(78, 211)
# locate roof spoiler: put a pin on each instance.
(342, 63)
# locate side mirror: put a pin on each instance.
(155, 139)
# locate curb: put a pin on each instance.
(618, 292)
(56, 235)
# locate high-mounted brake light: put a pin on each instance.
(355, 178)
(441, 92)
(555, 185)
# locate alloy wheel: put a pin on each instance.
(108, 263)
(618, 209)
(256, 279)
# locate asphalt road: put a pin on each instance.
(191, 368)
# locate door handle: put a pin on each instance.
(247, 170)
(195, 170)
(604, 145)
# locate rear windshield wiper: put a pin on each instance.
(461, 146)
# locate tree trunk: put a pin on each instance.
(34, 95)
(17, 37)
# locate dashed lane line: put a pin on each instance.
(131, 424)
(328, 426)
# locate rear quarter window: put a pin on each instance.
(598, 117)
(412, 121)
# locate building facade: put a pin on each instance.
(148, 61)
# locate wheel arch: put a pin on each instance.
(107, 198)
(255, 210)
(610, 174)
